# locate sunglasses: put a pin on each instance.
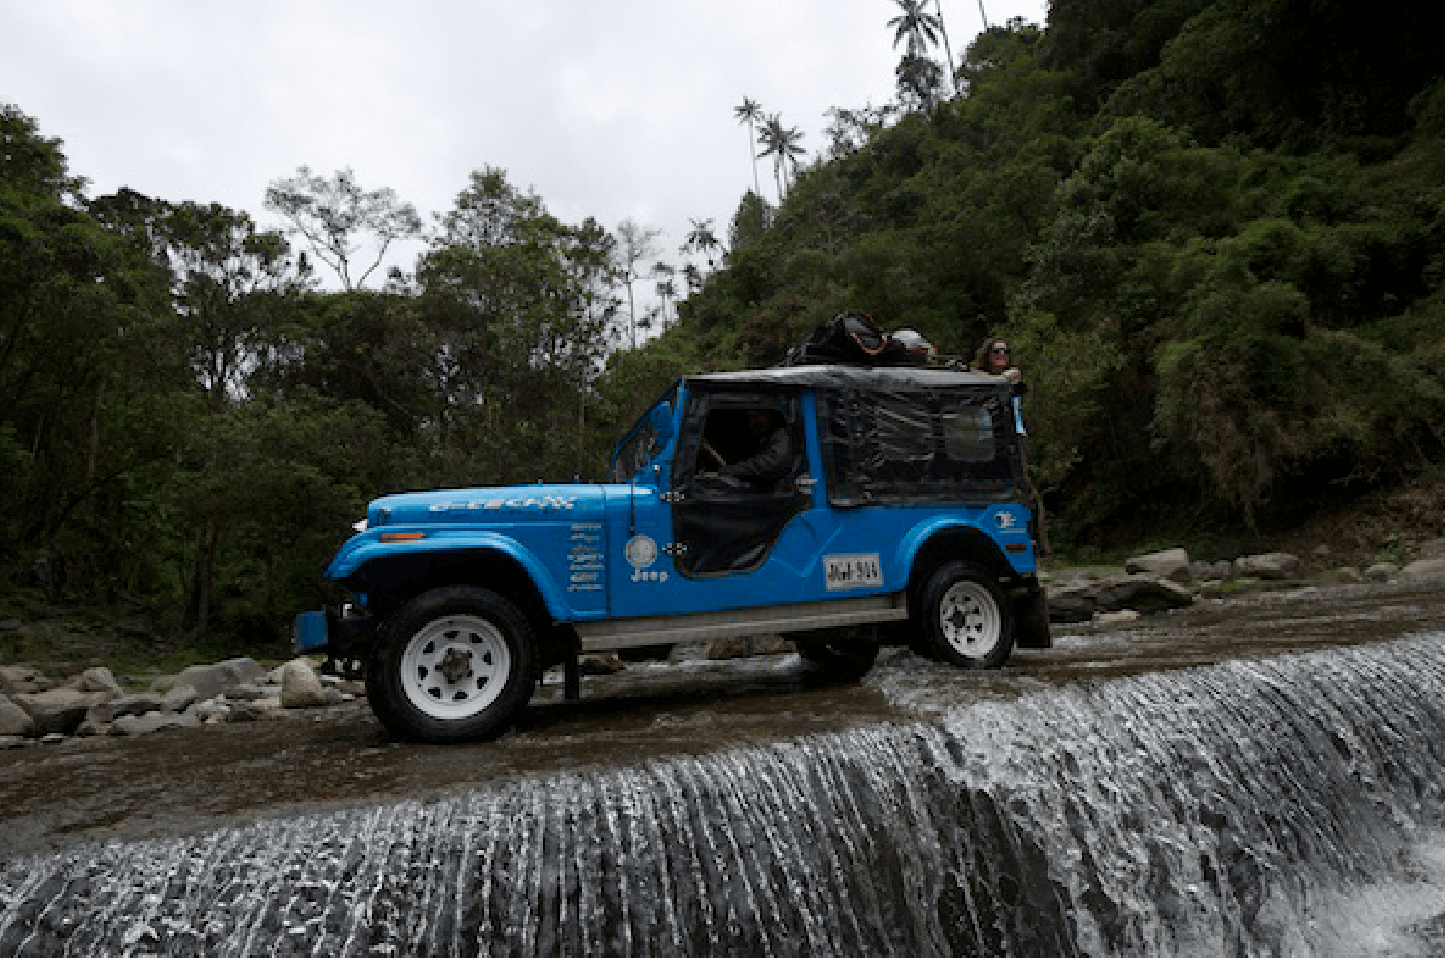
(1000, 349)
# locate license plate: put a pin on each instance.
(852, 571)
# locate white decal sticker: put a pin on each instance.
(1005, 520)
(860, 571)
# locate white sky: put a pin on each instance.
(611, 110)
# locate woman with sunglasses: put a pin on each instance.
(995, 359)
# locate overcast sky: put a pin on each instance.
(611, 110)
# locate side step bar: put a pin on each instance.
(700, 626)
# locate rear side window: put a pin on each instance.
(917, 446)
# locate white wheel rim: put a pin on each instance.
(455, 666)
(970, 620)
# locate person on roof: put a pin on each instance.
(995, 358)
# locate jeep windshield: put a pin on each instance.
(647, 437)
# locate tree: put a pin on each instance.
(666, 286)
(634, 244)
(749, 112)
(918, 79)
(916, 26)
(332, 213)
(702, 239)
(782, 144)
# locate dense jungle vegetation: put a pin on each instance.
(1213, 231)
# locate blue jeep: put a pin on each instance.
(843, 506)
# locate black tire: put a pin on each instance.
(846, 660)
(964, 618)
(452, 664)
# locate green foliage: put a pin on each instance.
(1212, 230)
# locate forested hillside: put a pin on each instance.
(1214, 233)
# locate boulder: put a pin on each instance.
(1423, 570)
(1269, 565)
(1109, 618)
(1211, 571)
(1382, 572)
(600, 663)
(300, 687)
(99, 679)
(1072, 603)
(741, 646)
(180, 698)
(1141, 593)
(1431, 549)
(210, 681)
(106, 712)
(14, 720)
(1169, 564)
(59, 710)
(153, 722)
(17, 679)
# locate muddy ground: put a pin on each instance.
(184, 780)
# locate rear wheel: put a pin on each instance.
(454, 663)
(964, 617)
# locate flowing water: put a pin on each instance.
(1286, 805)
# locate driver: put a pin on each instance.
(773, 460)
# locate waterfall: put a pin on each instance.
(1234, 809)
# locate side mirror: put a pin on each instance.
(660, 419)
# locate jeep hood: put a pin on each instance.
(505, 504)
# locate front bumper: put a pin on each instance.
(342, 633)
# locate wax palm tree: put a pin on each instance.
(917, 26)
(749, 112)
(782, 144)
(702, 239)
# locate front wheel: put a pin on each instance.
(965, 619)
(454, 663)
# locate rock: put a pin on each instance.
(99, 679)
(1382, 572)
(741, 646)
(1270, 565)
(600, 663)
(300, 686)
(1074, 603)
(153, 722)
(52, 738)
(212, 711)
(11, 741)
(687, 652)
(11, 625)
(1169, 564)
(17, 679)
(1123, 615)
(1322, 550)
(1348, 573)
(1423, 570)
(1201, 571)
(1143, 593)
(106, 712)
(59, 710)
(180, 698)
(14, 720)
(245, 692)
(212, 680)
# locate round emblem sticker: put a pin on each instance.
(641, 552)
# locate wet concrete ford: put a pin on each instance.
(1202, 780)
